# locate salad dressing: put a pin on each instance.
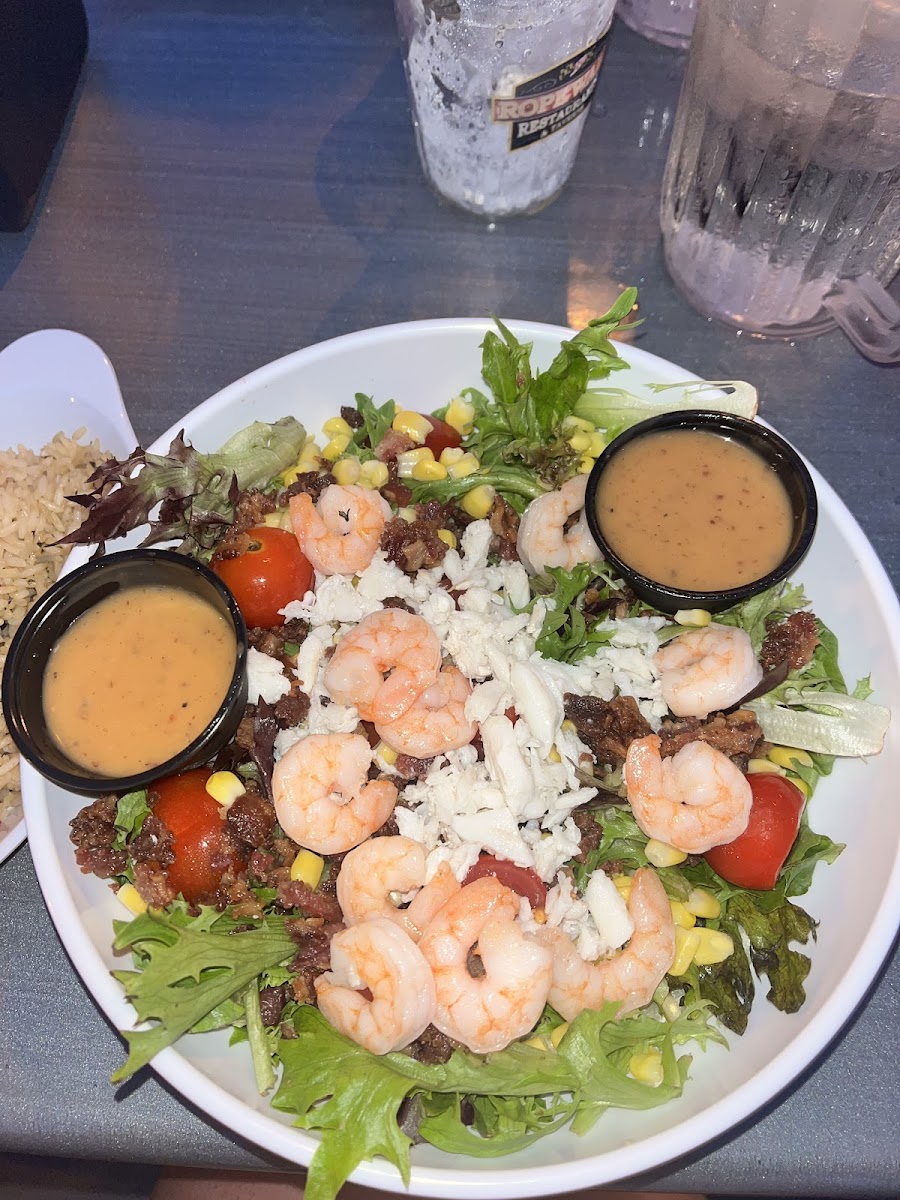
(136, 678)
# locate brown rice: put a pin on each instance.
(33, 513)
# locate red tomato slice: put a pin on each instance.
(196, 823)
(441, 437)
(520, 879)
(755, 859)
(267, 576)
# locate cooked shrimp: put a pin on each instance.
(694, 800)
(707, 670)
(385, 865)
(391, 642)
(322, 798)
(634, 973)
(485, 1013)
(543, 539)
(436, 721)
(379, 956)
(340, 534)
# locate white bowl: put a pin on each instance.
(857, 900)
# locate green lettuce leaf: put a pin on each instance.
(616, 409)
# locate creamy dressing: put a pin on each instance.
(137, 678)
(694, 510)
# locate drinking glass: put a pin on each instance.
(782, 186)
(669, 22)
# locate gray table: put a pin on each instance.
(240, 180)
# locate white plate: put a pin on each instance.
(422, 365)
(50, 382)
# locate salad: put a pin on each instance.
(545, 678)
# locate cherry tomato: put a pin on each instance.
(196, 823)
(520, 879)
(267, 576)
(755, 859)
(441, 437)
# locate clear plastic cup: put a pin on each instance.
(670, 22)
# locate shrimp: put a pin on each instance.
(707, 670)
(543, 540)
(436, 721)
(391, 640)
(694, 800)
(382, 865)
(321, 796)
(633, 974)
(340, 534)
(485, 1013)
(379, 956)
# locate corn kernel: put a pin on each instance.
(558, 1034)
(448, 537)
(386, 753)
(670, 1008)
(623, 885)
(346, 471)
(681, 916)
(801, 785)
(687, 942)
(553, 755)
(413, 424)
(451, 454)
(132, 899)
(788, 756)
(703, 904)
(336, 447)
(580, 441)
(647, 1067)
(479, 502)
(409, 458)
(569, 726)
(577, 423)
(538, 1042)
(460, 415)
(337, 425)
(374, 473)
(762, 766)
(714, 947)
(539, 916)
(693, 616)
(307, 868)
(661, 854)
(586, 464)
(598, 444)
(429, 472)
(407, 514)
(279, 519)
(464, 467)
(290, 475)
(225, 787)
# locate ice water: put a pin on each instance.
(778, 183)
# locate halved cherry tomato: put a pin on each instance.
(196, 823)
(520, 879)
(755, 859)
(441, 437)
(267, 576)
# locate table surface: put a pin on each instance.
(240, 180)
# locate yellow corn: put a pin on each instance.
(568, 726)
(714, 946)
(346, 471)
(460, 415)
(538, 1042)
(448, 537)
(374, 473)
(580, 441)
(132, 899)
(479, 502)
(464, 467)
(578, 423)
(670, 1008)
(788, 756)
(225, 787)
(703, 904)
(762, 766)
(429, 472)
(307, 868)
(661, 854)
(586, 465)
(598, 444)
(279, 519)
(413, 424)
(623, 885)
(553, 755)
(407, 514)
(409, 459)
(451, 455)
(687, 942)
(336, 447)
(693, 616)
(539, 916)
(337, 425)
(558, 1034)
(683, 918)
(647, 1067)
(386, 753)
